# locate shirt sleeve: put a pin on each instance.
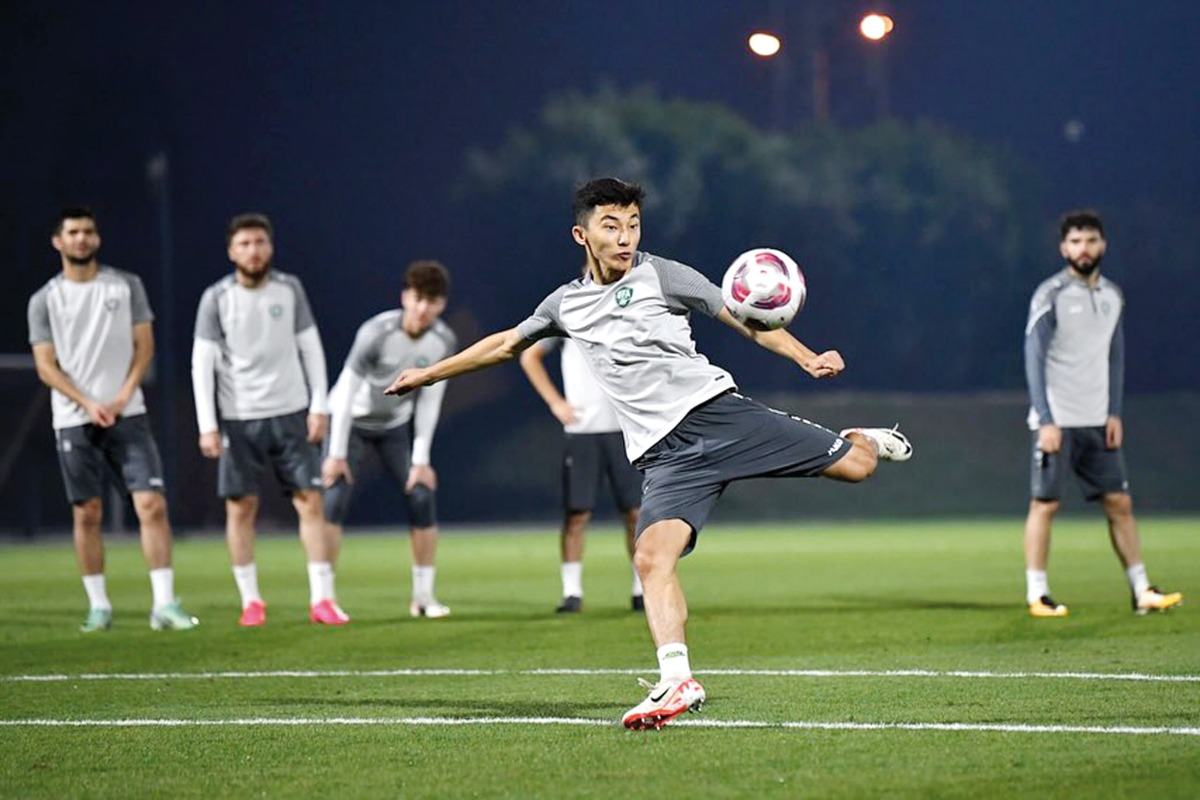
(139, 303)
(304, 315)
(312, 360)
(205, 353)
(39, 319)
(208, 317)
(341, 411)
(1039, 331)
(1116, 368)
(545, 320)
(686, 289)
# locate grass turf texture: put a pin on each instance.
(940, 596)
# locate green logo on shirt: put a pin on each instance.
(112, 303)
(624, 295)
(422, 361)
(1104, 308)
(276, 311)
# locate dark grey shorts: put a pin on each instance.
(1100, 471)
(589, 458)
(394, 449)
(282, 442)
(126, 453)
(728, 439)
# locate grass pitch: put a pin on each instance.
(841, 660)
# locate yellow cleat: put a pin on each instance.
(1154, 600)
(1046, 607)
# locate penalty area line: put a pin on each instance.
(945, 727)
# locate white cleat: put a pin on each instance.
(893, 445)
(666, 701)
(431, 610)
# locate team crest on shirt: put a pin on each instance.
(112, 303)
(1104, 308)
(276, 311)
(624, 295)
(422, 361)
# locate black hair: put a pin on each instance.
(605, 192)
(249, 220)
(1082, 220)
(428, 278)
(73, 212)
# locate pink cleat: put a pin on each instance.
(327, 612)
(254, 615)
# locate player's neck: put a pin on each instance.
(1091, 279)
(251, 281)
(80, 273)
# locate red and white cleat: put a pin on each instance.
(666, 701)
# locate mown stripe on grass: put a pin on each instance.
(418, 673)
(952, 727)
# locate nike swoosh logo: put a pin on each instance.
(654, 699)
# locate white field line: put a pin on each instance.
(955, 727)
(417, 673)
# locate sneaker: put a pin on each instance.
(98, 619)
(893, 445)
(254, 615)
(1046, 607)
(637, 602)
(433, 609)
(327, 612)
(571, 604)
(1155, 600)
(666, 701)
(172, 617)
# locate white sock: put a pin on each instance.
(572, 578)
(162, 586)
(246, 577)
(320, 581)
(673, 662)
(96, 592)
(1037, 584)
(422, 584)
(1138, 581)
(636, 589)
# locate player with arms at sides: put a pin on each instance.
(686, 427)
(1075, 369)
(593, 451)
(399, 429)
(90, 328)
(258, 353)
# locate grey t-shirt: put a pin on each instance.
(259, 373)
(1075, 352)
(90, 324)
(636, 339)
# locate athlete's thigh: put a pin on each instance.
(133, 454)
(1099, 470)
(394, 448)
(1045, 470)
(296, 461)
(81, 462)
(337, 497)
(244, 446)
(581, 470)
(751, 440)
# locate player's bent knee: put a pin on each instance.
(857, 465)
(88, 513)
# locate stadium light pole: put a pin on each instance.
(875, 28)
(767, 46)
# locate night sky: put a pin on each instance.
(349, 124)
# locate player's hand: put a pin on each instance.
(318, 426)
(116, 406)
(99, 414)
(564, 412)
(407, 381)
(1114, 433)
(422, 474)
(1050, 438)
(826, 365)
(210, 444)
(334, 470)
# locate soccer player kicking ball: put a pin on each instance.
(686, 427)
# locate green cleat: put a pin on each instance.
(98, 619)
(172, 617)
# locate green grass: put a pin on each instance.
(939, 596)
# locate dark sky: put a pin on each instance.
(348, 122)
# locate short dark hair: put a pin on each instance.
(73, 212)
(428, 278)
(1082, 220)
(249, 220)
(605, 192)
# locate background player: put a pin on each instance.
(363, 417)
(593, 450)
(1075, 369)
(258, 350)
(90, 329)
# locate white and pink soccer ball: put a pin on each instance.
(764, 288)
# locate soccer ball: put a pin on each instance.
(764, 289)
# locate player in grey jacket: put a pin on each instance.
(686, 427)
(1075, 368)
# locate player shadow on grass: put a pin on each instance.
(418, 705)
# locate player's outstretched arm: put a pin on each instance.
(780, 342)
(487, 352)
